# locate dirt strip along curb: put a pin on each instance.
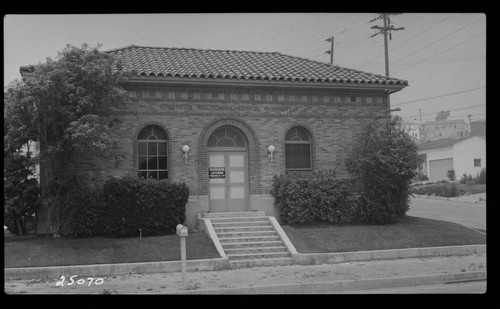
(339, 286)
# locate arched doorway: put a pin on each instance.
(228, 170)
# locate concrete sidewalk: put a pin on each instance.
(295, 279)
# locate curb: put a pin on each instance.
(330, 287)
(54, 272)
(344, 257)
(49, 273)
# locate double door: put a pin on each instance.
(228, 184)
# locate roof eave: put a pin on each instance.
(389, 88)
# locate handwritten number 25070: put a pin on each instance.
(81, 281)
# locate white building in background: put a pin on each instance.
(411, 128)
(465, 155)
(441, 129)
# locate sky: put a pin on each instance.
(441, 55)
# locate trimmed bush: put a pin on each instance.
(119, 209)
(305, 198)
(155, 207)
(82, 212)
(76, 207)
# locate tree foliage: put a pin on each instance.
(21, 189)
(60, 101)
(383, 160)
(63, 104)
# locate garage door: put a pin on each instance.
(439, 168)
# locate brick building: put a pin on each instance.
(226, 122)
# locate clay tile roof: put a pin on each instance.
(227, 64)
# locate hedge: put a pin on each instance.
(303, 198)
(120, 208)
(155, 207)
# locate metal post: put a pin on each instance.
(183, 261)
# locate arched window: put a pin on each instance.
(152, 153)
(226, 137)
(298, 149)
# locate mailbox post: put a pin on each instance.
(182, 231)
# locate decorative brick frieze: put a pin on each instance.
(255, 96)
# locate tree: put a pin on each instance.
(383, 161)
(63, 104)
(21, 190)
(442, 115)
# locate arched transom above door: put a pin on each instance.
(226, 136)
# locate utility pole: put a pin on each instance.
(386, 31)
(330, 52)
(470, 124)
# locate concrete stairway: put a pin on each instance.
(249, 239)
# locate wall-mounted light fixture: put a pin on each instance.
(185, 150)
(271, 149)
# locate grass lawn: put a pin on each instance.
(32, 251)
(411, 232)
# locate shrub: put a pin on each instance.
(383, 160)
(420, 177)
(154, 206)
(481, 178)
(451, 174)
(120, 208)
(444, 190)
(466, 179)
(76, 208)
(317, 196)
(82, 212)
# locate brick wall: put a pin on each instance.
(190, 115)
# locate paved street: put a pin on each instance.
(469, 214)
(473, 287)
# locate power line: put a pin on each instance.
(463, 42)
(273, 35)
(454, 109)
(315, 37)
(386, 31)
(426, 29)
(256, 33)
(401, 44)
(439, 40)
(439, 96)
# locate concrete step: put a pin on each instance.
(241, 223)
(253, 228)
(260, 262)
(251, 244)
(225, 240)
(253, 250)
(260, 255)
(237, 219)
(247, 233)
(211, 215)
